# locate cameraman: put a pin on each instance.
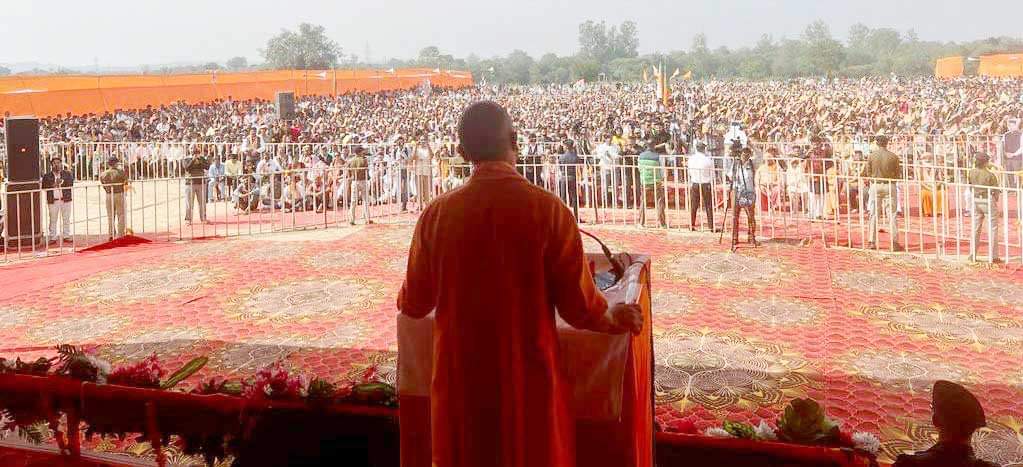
(195, 166)
(744, 192)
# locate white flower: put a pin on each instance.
(102, 367)
(866, 442)
(718, 433)
(765, 432)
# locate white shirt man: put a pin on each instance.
(701, 176)
(268, 165)
(424, 167)
(607, 154)
(701, 168)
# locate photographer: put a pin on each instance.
(744, 193)
(195, 166)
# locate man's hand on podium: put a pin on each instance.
(625, 317)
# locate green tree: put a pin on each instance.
(518, 67)
(624, 44)
(237, 63)
(585, 68)
(703, 64)
(309, 48)
(823, 53)
(593, 40)
(603, 43)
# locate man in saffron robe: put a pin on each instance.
(495, 257)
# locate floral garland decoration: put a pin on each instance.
(803, 422)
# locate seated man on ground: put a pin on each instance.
(957, 414)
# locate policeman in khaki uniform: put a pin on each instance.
(884, 170)
(114, 180)
(957, 414)
(985, 206)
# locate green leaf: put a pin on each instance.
(182, 374)
(804, 422)
(739, 429)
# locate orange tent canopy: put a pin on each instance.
(948, 67)
(1001, 65)
(46, 96)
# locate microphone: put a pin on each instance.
(616, 266)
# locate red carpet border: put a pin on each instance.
(736, 335)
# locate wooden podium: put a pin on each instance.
(611, 378)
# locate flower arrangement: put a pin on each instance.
(39, 367)
(802, 422)
(275, 382)
(218, 385)
(144, 374)
(77, 364)
(21, 413)
(321, 390)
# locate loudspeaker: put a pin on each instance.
(22, 149)
(24, 219)
(285, 105)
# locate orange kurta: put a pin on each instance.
(495, 257)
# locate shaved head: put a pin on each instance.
(485, 133)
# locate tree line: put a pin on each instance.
(610, 52)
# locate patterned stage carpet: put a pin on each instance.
(736, 335)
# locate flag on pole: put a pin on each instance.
(665, 92)
(645, 77)
(676, 73)
(688, 76)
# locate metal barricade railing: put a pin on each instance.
(951, 157)
(792, 203)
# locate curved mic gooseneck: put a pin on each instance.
(616, 266)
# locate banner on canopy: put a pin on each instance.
(46, 96)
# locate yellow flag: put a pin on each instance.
(645, 77)
(688, 75)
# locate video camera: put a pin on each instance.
(735, 150)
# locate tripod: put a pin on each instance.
(736, 174)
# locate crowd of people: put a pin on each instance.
(593, 144)
(842, 109)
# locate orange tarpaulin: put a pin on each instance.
(1001, 65)
(46, 96)
(948, 67)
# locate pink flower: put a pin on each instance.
(275, 382)
(845, 439)
(146, 373)
(685, 426)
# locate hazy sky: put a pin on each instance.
(135, 32)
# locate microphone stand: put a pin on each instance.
(616, 266)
